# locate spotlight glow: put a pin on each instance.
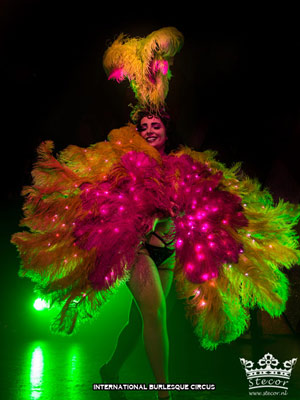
(40, 304)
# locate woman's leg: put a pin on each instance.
(146, 287)
(126, 343)
(130, 334)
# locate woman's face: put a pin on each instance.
(153, 131)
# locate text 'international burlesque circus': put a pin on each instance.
(88, 212)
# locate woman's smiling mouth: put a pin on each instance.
(151, 138)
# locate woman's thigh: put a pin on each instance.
(166, 274)
(146, 287)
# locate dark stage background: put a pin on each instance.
(235, 89)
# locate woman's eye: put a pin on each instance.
(157, 126)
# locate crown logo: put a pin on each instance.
(268, 376)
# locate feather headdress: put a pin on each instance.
(145, 62)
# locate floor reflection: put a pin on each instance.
(51, 369)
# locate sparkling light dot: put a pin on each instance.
(179, 243)
(190, 267)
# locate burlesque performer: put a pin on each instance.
(123, 211)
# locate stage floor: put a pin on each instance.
(67, 369)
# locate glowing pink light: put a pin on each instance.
(99, 230)
(205, 277)
(205, 227)
(179, 243)
(211, 244)
(67, 207)
(210, 236)
(224, 222)
(203, 303)
(117, 230)
(121, 208)
(83, 294)
(200, 257)
(215, 209)
(198, 247)
(75, 255)
(190, 267)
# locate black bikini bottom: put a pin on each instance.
(159, 254)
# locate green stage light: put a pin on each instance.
(40, 304)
